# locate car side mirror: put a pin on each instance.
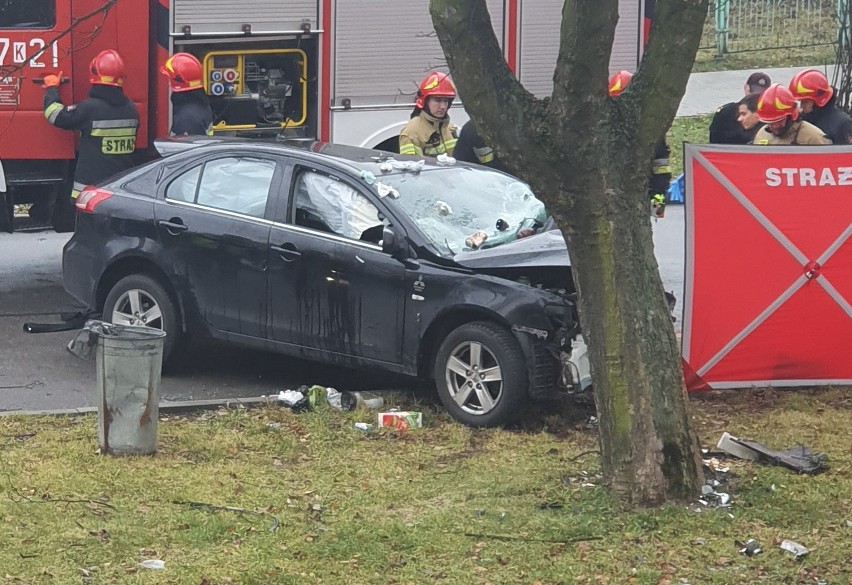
(393, 244)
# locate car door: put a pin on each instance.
(331, 288)
(212, 222)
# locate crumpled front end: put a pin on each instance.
(545, 348)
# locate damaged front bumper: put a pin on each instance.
(557, 360)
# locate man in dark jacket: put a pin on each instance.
(817, 97)
(191, 114)
(471, 148)
(748, 117)
(107, 122)
(725, 128)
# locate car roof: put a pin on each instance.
(354, 157)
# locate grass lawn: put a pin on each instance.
(707, 60)
(443, 504)
(686, 129)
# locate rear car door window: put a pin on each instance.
(184, 187)
(237, 184)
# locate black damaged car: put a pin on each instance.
(342, 255)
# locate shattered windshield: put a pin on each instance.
(465, 209)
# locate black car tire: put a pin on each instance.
(485, 402)
(149, 293)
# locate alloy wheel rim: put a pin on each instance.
(474, 378)
(137, 307)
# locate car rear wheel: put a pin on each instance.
(481, 375)
(140, 300)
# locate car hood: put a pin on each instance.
(541, 250)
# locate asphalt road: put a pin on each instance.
(38, 373)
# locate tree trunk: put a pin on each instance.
(587, 157)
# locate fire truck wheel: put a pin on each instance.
(64, 214)
(141, 300)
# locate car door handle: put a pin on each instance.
(174, 226)
(288, 252)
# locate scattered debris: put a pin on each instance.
(362, 426)
(750, 548)
(294, 399)
(385, 190)
(274, 522)
(368, 177)
(715, 473)
(797, 549)
(401, 420)
(392, 164)
(369, 400)
(343, 401)
(446, 159)
(713, 499)
(799, 458)
(476, 240)
(728, 444)
(483, 535)
(153, 564)
(443, 208)
(305, 398)
(316, 396)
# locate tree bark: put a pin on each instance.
(587, 156)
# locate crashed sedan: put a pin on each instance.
(342, 255)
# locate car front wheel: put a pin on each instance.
(140, 300)
(481, 375)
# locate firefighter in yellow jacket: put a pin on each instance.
(778, 109)
(430, 132)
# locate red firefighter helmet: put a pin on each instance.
(618, 81)
(184, 72)
(107, 68)
(434, 85)
(777, 103)
(811, 84)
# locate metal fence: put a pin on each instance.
(735, 26)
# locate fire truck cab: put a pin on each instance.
(344, 71)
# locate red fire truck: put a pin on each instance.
(335, 70)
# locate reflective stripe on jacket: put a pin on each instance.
(427, 135)
(107, 121)
(800, 132)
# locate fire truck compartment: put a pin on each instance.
(257, 88)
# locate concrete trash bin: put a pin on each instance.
(129, 362)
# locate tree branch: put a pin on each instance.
(582, 67)
(660, 82)
(493, 97)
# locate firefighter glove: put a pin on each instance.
(53, 80)
(658, 205)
